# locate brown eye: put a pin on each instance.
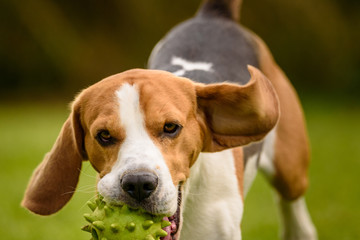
(105, 135)
(172, 129)
(104, 138)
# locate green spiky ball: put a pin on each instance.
(109, 222)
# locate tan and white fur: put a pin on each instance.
(199, 144)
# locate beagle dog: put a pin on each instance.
(185, 137)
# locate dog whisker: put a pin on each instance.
(86, 174)
(86, 187)
(88, 191)
(83, 189)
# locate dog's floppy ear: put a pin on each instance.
(236, 115)
(54, 180)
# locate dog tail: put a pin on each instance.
(222, 8)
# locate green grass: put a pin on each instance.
(28, 130)
(27, 133)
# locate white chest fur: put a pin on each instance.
(213, 205)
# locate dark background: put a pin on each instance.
(55, 48)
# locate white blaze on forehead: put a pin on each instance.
(187, 66)
(137, 148)
(130, 112)
(137, 153)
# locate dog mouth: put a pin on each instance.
(174, 221)
(149, 206)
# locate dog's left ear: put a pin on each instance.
(54, 180)
(236, 115)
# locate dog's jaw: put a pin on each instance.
(176, 220)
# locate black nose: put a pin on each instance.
(139, 185)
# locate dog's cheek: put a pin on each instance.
(191, 145)
(185, 154)
(178, 166)
(101, 158)
(96, 158)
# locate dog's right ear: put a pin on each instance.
(234, 115)
(54, 180)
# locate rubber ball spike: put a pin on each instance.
(149, 237)
(108, 211)
(89, 217)
(99, 225)
(91, 205)
(148, 224)
(161, 233)
(120, 222)
(86, 228)
(165, 224)
(115, 227)
(131, 226)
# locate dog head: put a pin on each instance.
(142, 130)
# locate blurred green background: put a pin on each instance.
(49, 50)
